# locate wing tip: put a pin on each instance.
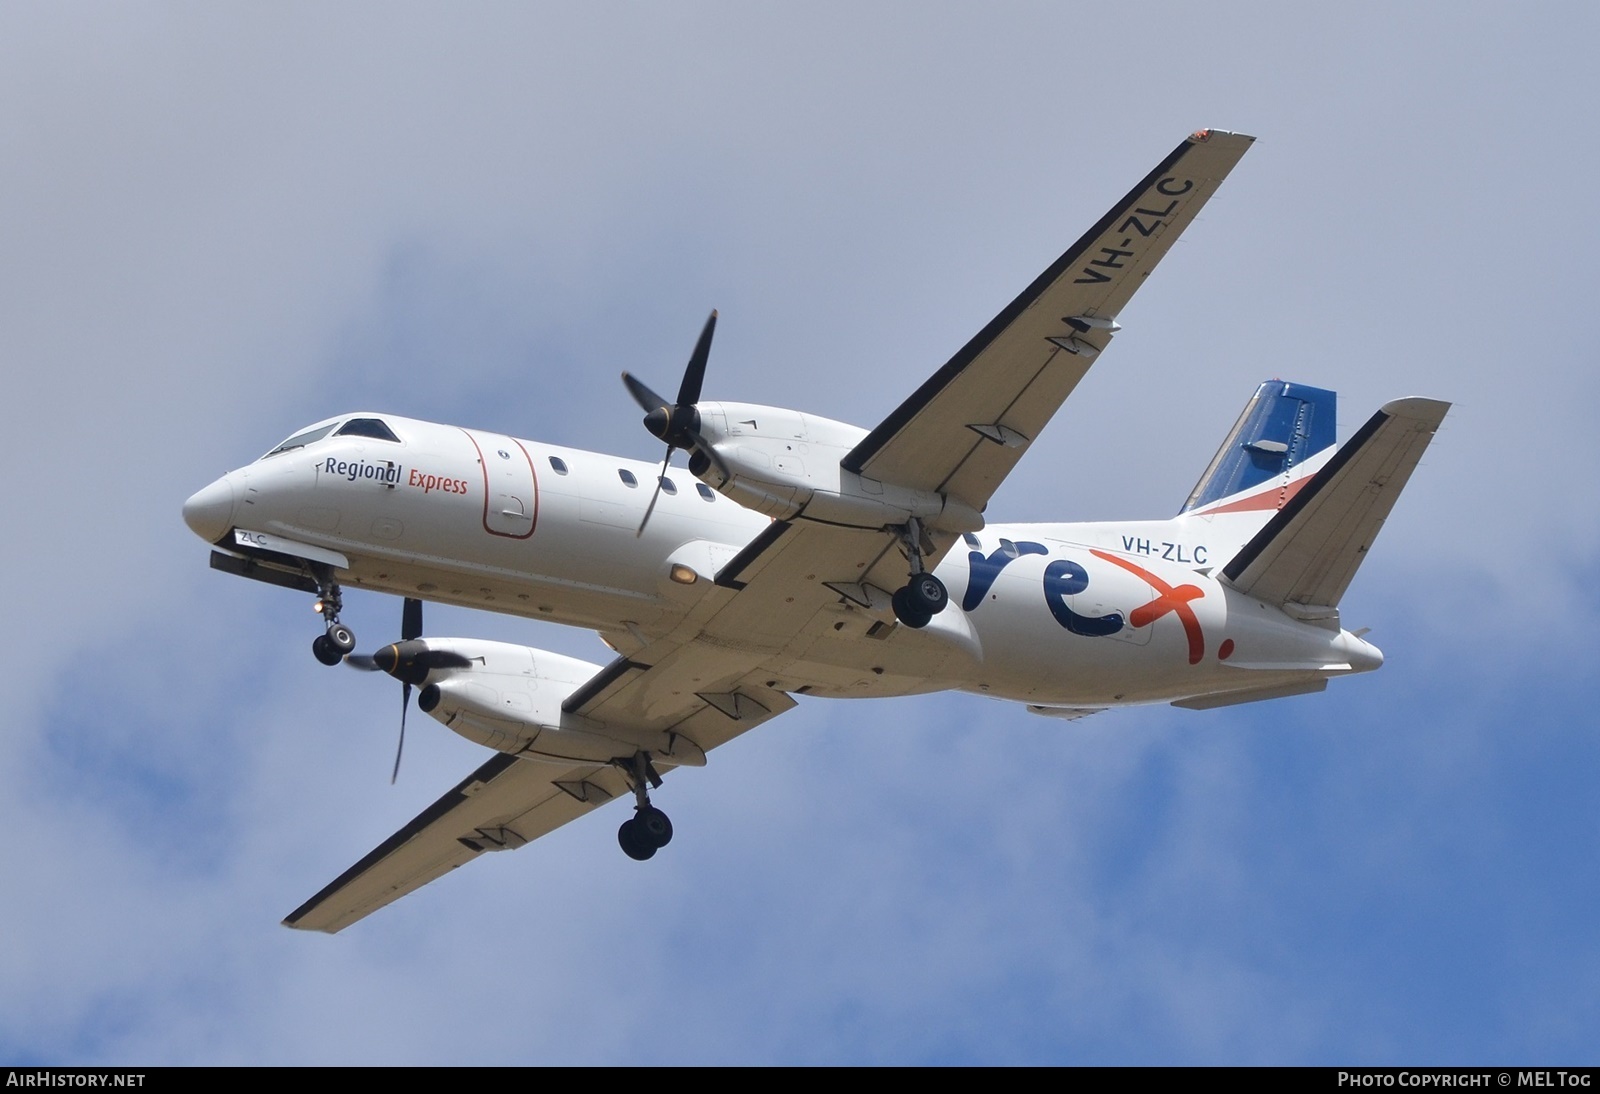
(1201, 136)
(295, 925)
(1418, 408)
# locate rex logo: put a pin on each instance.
(1172, 599)
(1064, 577)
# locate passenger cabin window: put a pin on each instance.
(627, 476)
(972, 540)
(300, 440)
(367, 427)
(559, 464)
(705, 491)
(668, 486)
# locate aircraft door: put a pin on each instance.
(510, 488)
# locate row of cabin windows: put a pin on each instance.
(377, 430)
(630, 479)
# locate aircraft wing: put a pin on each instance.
(509, 802)
(501, 806)
(964, 429)
(717, 675)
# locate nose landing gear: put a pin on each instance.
(648, 830)
(333, 644)
(330, 647)
(924, 596)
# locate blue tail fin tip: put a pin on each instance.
(1283, 425)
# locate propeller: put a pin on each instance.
(678, 423)
(409, 661)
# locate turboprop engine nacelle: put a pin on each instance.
(786, 464)
(509, 698)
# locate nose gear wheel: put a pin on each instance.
(337, 640)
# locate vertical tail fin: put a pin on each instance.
(1284, 428)
(1284, 435)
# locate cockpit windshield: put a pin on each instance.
(367, 427)
(300, 440)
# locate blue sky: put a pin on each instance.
(223, 223)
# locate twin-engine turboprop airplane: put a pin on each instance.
(802, 556)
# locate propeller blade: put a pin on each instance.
(675, 422)
(410, 627)
(694, 376)
(651, 508)
(446, 659)
(648, 400)
(405, 704)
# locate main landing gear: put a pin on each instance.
(924, 596)
(648, 830)
(333, 644)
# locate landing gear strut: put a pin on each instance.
(332, 645)
(924, 596)
(648, 830)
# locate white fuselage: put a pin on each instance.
(1056, 615)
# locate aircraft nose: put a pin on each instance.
(209, 512)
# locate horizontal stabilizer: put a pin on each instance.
(1068, 714)
(1253, 695)
(1308, 552)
